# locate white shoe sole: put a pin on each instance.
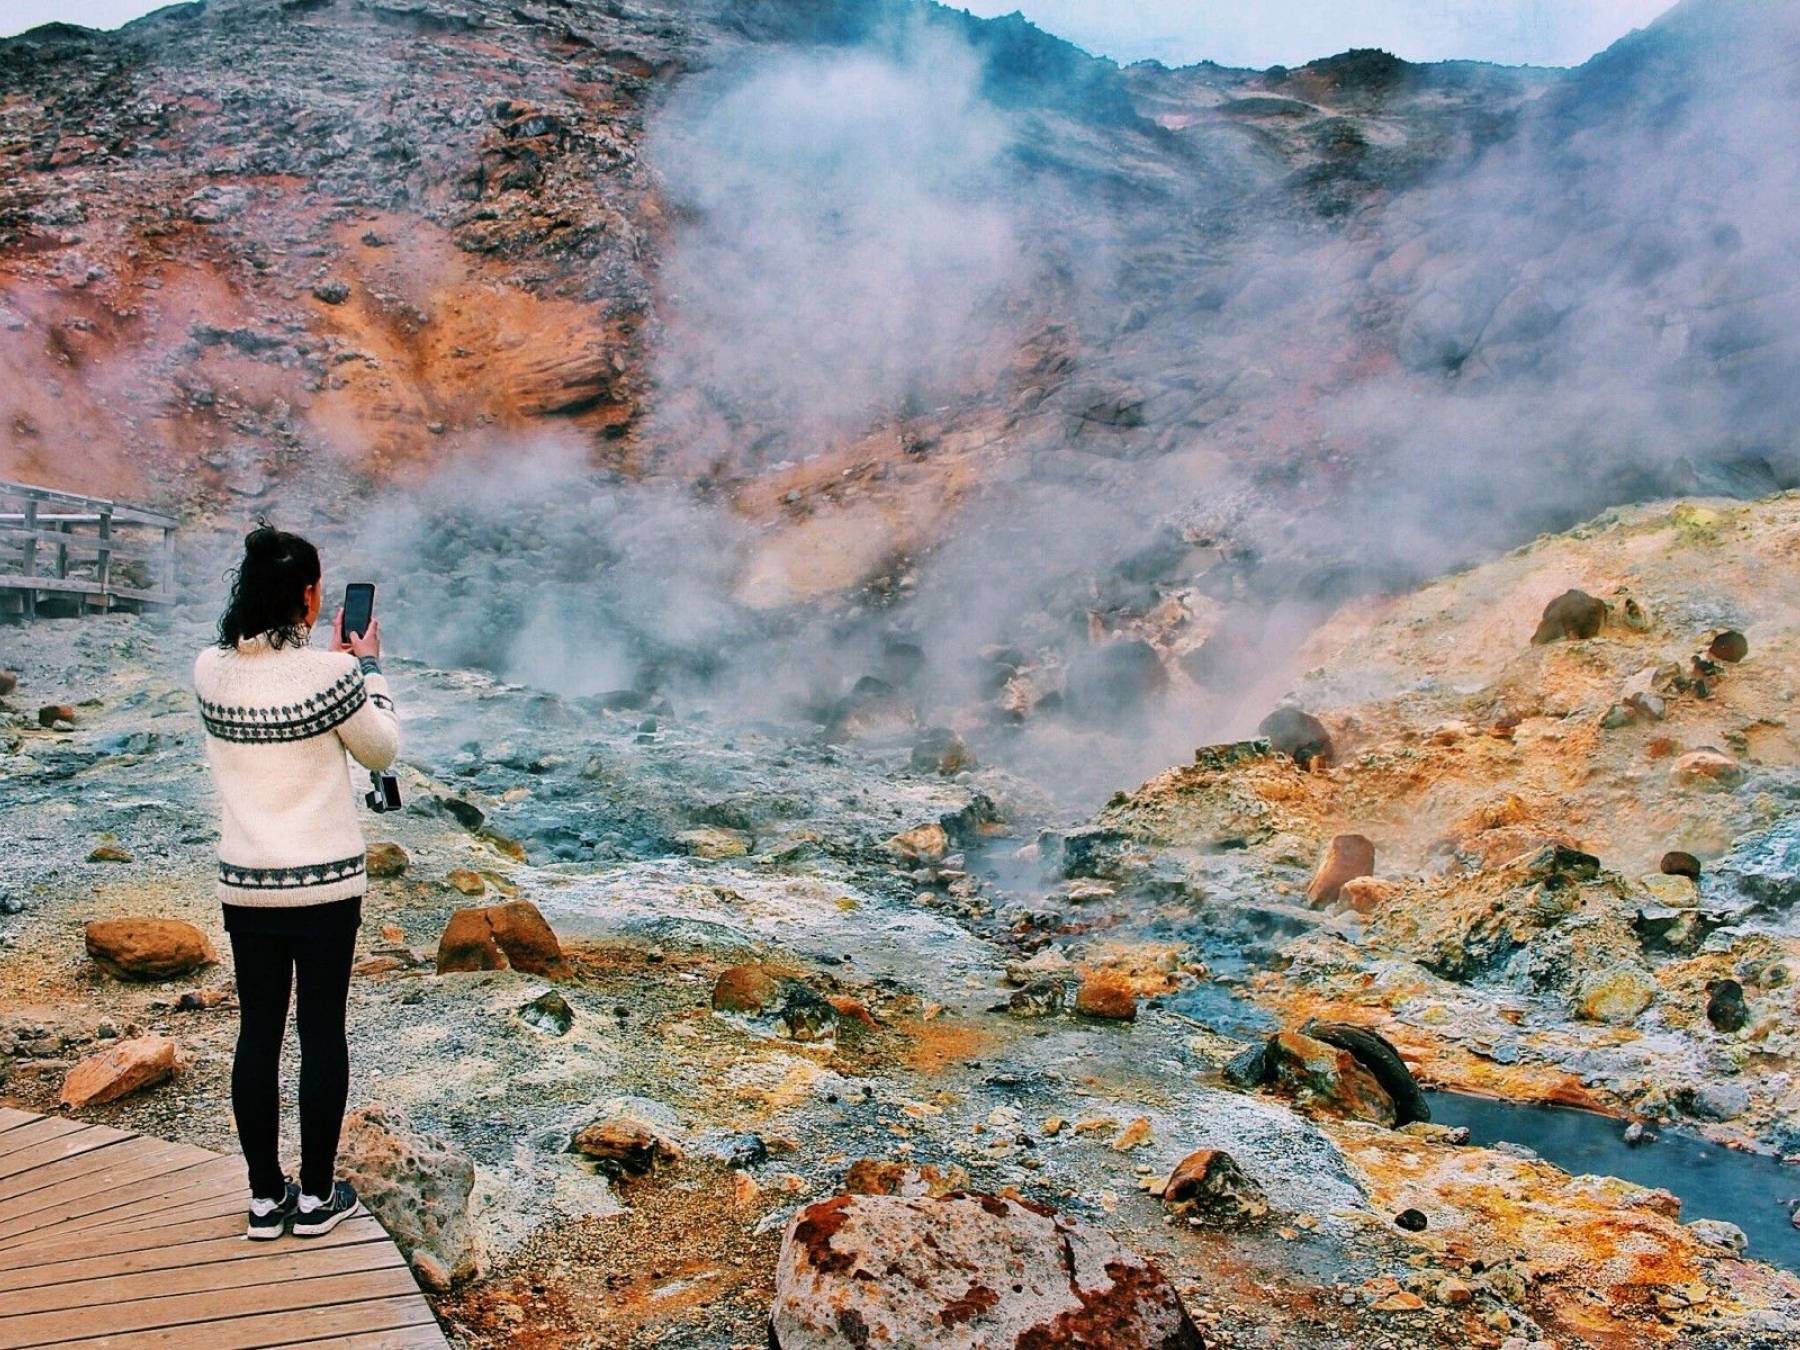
(320, 1227)
(265, 1234)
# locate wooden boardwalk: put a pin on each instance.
(88, 553)
(112, 1239)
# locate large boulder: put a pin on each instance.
(1346, 857)
(418, 1187)
(1573, 614)
(963, 1271)
(1316, 1073)
(140, 948)
(492, 937)
(122, 1068)
(1298, 734)
(1377, 1054)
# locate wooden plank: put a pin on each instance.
(216, 1177)
(11, 1117)
(28, 564)
(124, 512)
(193, 1225)
(73, 586)
(360, 1318)
(93, 1174)
(139, 1315)
(407, 1338)
(79, 545)
(39, 1131)
(170, 1256)
(209, 1189)
(278, 1261)
(65, 1146)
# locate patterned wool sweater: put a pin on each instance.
(278, 721)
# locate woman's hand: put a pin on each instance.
(368, 644)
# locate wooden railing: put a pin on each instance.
(85, 551)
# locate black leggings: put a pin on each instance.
(267, 964)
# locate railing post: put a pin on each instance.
(104, 572)
(30, 567)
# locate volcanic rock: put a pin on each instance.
(1208, 1185)
(626, 1144)
(1725, 1006)
(1041, 998)
(768, 1004)
(141, 948)
(940, 750)
(1573, 614)
(1366, 895)
(1617, 995)
(1377, 1054)
(1346, 857)
(1679, 864)
(52, 713)
(9, 681)
(1316, 1073)
(109, 853)
(1706, 768)
(1249, 1068)
(921, 844)
(1730, 646)
(387, 860)
(122, 1068)
(1290, 731)
(962, 1271)
(1412, 1220)
(878, 1176)
(493, 937)
(466, 882)
(550, 1013)
(417, 1186)
(1115, 677)
(1106, 995)
(1718, 1233)
(714, 842)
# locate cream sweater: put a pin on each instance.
(278, 721)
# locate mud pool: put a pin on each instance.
(1747, 1189)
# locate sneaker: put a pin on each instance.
(268, 1218)
(315, 1218)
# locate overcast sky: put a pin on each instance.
(1234, 32)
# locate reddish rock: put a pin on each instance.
(123, 1068)
(625, 1144)
(109, 853)
(965, 1271)
(466, 882)
(387, 860)
(52, 713)
(1346, 857)
(922, 844)
(141, 948)
(9, 681)
(746, 989)
(1105, 994)
(1365, 895)
(492, 937)
(1325, 1076)
(1208, 1185)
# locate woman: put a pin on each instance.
(279, 716)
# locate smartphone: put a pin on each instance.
(359, 608)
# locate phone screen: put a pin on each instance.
(359, 608)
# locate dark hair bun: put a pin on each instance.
(268, 593)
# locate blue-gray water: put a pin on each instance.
(1713, 1182)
